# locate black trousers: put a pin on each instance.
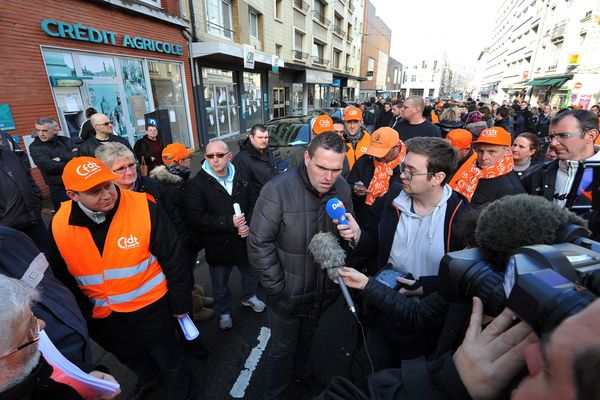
(289, 356)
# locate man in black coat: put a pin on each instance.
(104, 133)
(288, 213)
(385, 116)
(50, 153)
(255, 158)
(210, 198)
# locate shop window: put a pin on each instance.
(97, 66)
(253, 24)
(59, 64)
(136, 93)
(220, 97)
(167, 89)
(218, 16)
(252, 102)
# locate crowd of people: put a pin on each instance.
(116, 263)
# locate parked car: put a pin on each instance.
(285, 135)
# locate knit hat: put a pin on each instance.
(321, 124)
(352, 114)
(382, 141)
(460, 139)
(83, 173)
(496, 135)
(175, 152)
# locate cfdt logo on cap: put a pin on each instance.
(324, 123)
(88, 169)
(489, 133)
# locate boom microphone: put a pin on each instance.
(326, 250)
(336, 210)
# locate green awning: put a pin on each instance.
(537, 82)
(553, 81)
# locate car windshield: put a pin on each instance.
(288, 133)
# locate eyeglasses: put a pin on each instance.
(409, 174)
(107, 123)
(33, 334)
(218, 155)
(123, 169)
(561, 136)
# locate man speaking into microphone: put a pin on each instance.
(290, 211)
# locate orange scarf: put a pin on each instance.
(467, 165)
(380, 183)
(467, 183)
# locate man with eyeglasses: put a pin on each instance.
(571, 136)
(122, 259)
(414, 124)
(24, 373)
(416, 224)
(50, 152)
(104, 133)
(210, 197)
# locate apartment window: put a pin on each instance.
(253, 23)
(431, 91)
(155, 3)
(278, 49)
(413, 78)
(279, 10)
(317, 51)
(319, 11)
(424, 65)
(338, 25)
(348, 67)
(556, 55)
(299, 45)
(435, 64)
(349, 32)
(336, 58)
(218, 15)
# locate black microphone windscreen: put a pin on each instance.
(326, 250)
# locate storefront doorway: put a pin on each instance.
(279, 108)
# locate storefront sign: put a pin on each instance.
(275, 64)
(314, 76)
(84, 33)
(577, 85)
(249, 56)
(7, 123)
(573, 59)
(584, 101)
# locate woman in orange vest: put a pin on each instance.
(124, 263)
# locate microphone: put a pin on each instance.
(336, 210)
(326, 250)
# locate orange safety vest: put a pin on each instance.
(361, 148)
(465, 167)
(126, 276)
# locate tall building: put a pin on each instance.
(304, 56)
(544, 51)
(424, 78)
(375, 50)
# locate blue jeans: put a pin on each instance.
(220, 284)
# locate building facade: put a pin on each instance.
(375, 50)
(128, 60)
(424, 77)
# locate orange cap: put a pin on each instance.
(175, 152)
(496, 135)
(460, 139)
(83, 173)
(382, 141)
(321, 124)
(352, 114)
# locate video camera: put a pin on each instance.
(542, 284)
(585, 190)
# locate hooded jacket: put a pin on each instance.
(288, 213)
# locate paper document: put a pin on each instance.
(188, 327)
(68, 373)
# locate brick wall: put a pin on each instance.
(24, 84)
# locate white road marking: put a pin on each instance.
(238, 391)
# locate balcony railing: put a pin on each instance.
(320, 60)
(339, 31)
(219, 30)
(301, 5)
(351, 6)
(321, 18)
(348, 69)
(349, 38)
(299, 55)
(558, 31)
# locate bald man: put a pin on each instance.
(210, 196)
(103, 128)
(414, 124)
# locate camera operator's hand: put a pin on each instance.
(488, 360)
(352, 278)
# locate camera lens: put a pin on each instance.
(483, 281)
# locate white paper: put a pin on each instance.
(211, 119)
(254, 108)
(71, 103)
(223, 118)
(233, 110)
(188, 327)
(172, 116)
(236, 209)
(140, 122)
(68, 373)
(250, 110)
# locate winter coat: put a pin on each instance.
(43, 154)
(209, 213)
(446, 126)
(20, 197)
(476, 127)
(259, 167)
(89, 146)
(492, 189)
(143, 149)
(383, 119)
(288, 213)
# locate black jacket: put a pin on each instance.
(20, 197)
(363, 171)
(43, 153)
(288, 213)
(209, 212)
(378, 238)
(524, 122)
(447, 126)
(89, 146)
(383, 119)
(492, 189)
(259, 167)
(143, 149)
(541, 179)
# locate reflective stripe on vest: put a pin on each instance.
(129, 296)
(116, 273)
